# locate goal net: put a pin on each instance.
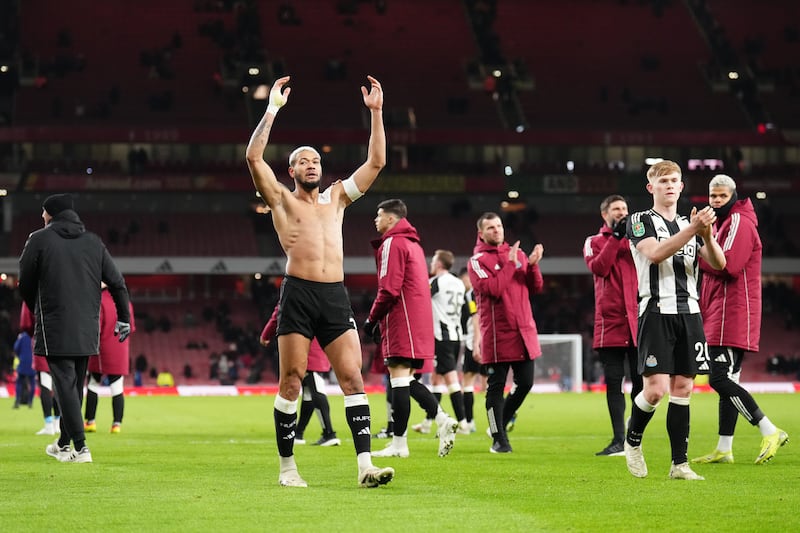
(560, 368)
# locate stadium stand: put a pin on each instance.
(636, 72)
(650, 79)
(426, 81)
(157, 68)
(162, 234)
(767, 40)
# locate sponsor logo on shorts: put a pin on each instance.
(651, 361)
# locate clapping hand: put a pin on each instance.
(619, 228)
(703, 220)
(536, 254)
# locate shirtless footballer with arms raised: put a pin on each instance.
(313, 299)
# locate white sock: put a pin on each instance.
(400, 442)
(287, 463)
(725, 443)
(364, 461)
(766, 427)
(643, 404)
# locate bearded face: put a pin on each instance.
(307, 170)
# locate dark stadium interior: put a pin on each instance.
(537, 110)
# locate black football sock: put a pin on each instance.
(91, 405)
(678, 428)
(425, 398)
(118, 407)
(457, 399)
(469, 405)
(401, 404)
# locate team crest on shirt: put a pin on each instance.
(638, 229)
(651, 361)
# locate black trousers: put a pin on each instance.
(69, 374)
(614, 361)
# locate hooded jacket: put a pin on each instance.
(730, 299)
(114, 358)
(616, 290)
(402, 307)
(60, 271)
(502, 292)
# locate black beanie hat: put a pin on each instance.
(57, 203)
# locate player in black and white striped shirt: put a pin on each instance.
(672, 345)
(447, 297)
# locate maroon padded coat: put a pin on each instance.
(402, 306)
(730, 299)
(502, 292)
(27, 322)
(114, 358)
(615, 290)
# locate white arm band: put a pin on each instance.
(351, 189)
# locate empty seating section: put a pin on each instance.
(423, 70)
(169, 350)
(766, 23)
(765, 31)
(418, 50)
(776, 339)
(588, 61)
(624, 66)
(111, 48)
(162, 234)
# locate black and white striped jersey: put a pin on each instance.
(672, 286)
(469, 309)
(447, 296)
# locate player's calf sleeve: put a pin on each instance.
(425, 398)
(641, 414)
(678, 428)
(457, 399)
(401, 404)
(285, 413)
(356, 409)
(469, 402)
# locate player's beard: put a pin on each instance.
(309, 186)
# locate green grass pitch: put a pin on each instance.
(210, 464)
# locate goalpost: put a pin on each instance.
(560, 367)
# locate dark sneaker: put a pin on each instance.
(500, 447)
(328, 440)
(615, 449)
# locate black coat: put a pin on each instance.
(60, 271)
